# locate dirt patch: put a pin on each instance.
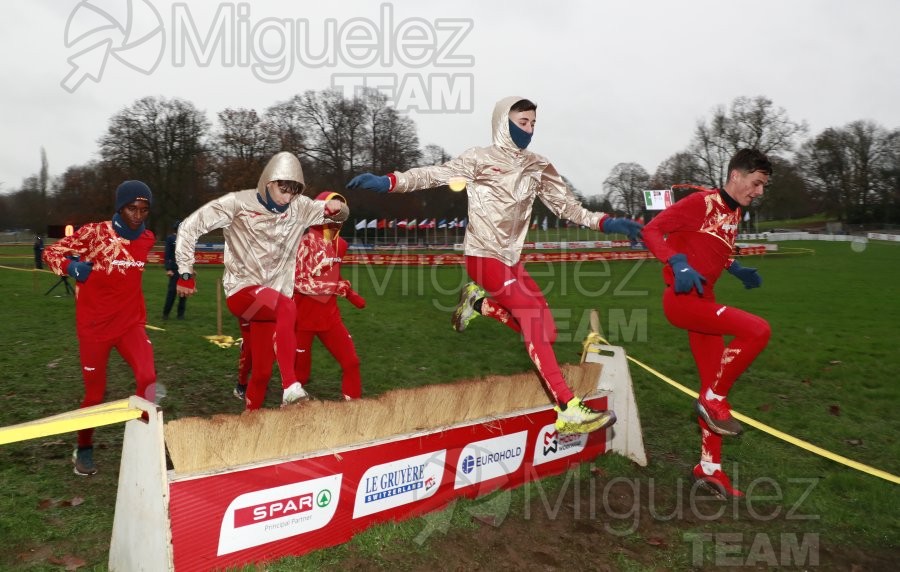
(625, 524)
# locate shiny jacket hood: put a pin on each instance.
(284, 166)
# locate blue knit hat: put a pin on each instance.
(131, 191)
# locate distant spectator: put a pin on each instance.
(172, 272)
(38, 251)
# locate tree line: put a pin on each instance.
(850, 173)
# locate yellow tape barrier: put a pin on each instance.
(96, 416)
(594, 339)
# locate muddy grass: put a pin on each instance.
(620, 524)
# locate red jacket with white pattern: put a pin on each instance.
(703, 226)
(111, 300)
(317, 279)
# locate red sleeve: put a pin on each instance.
(686, 214)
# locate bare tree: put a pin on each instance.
(680, 168)
(434, 155)
(162, 142)
(241, 146)
(625, 187)
(750, 122)
(853, 170)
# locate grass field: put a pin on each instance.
(827, 376)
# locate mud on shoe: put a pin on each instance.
(579, 418)
(465, 308)
(240, 391)
(293, 394)
(718, 483)
(717, 414)
(83, 459)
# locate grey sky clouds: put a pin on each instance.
(614, 80)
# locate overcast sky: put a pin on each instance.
(615, 80)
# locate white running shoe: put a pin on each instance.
(293, 394)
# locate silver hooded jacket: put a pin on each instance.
(260, 246)
(502, 182)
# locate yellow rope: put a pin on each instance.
(594, 339)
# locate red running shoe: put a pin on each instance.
(718, 482)
(717, 415)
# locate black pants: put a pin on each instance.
(171, 294)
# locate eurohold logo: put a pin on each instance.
(259, 517)
(491, 458)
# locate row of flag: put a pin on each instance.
(410, 224)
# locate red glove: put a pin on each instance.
(355, 299)
(190, 283)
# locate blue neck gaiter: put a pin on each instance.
(519, 136)
(271, 205)
(124, 230)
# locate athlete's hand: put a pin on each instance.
(626, 226)
(749, 276)
(686, 278)
(79, 270)
(354, 298)
(370, 182)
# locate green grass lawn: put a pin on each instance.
(828, 376)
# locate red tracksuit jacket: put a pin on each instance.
(703, 226)
(111, 300)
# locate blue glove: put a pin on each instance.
(370, 182)
(749, 276)
(686, 278)
(624, 226)
(79, 270)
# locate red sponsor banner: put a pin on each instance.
(456, 259)
(261, 513)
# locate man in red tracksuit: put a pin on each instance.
(695, 238)
(107, 261)
(317, 286)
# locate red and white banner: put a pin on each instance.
(260, 513)
(456, 259)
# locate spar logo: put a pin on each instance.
(552, 445)
(259, 517)
(274, 509)
(490, 458)
(400, 482)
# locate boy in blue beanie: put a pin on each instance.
(107, 261)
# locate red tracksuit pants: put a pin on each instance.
(336, 340)
(512, 288)
(270, 316)
(707, 322)
(135, 348)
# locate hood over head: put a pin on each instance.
(330, 229)
(500, 123)
(284, 166)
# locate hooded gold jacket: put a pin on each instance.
(260, 246)
(502, 182)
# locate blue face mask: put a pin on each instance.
(271, 205)
(124, 230)
(519, 136)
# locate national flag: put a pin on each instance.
(443, 223)
(534, 224)
(360, 225)
(411, 224)
(402, 223)
(372, 223)
(431, 224)
(392, 223)
(747, 216)
(382, 223)
(463, 223)
(544, 224)
(454, 223)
